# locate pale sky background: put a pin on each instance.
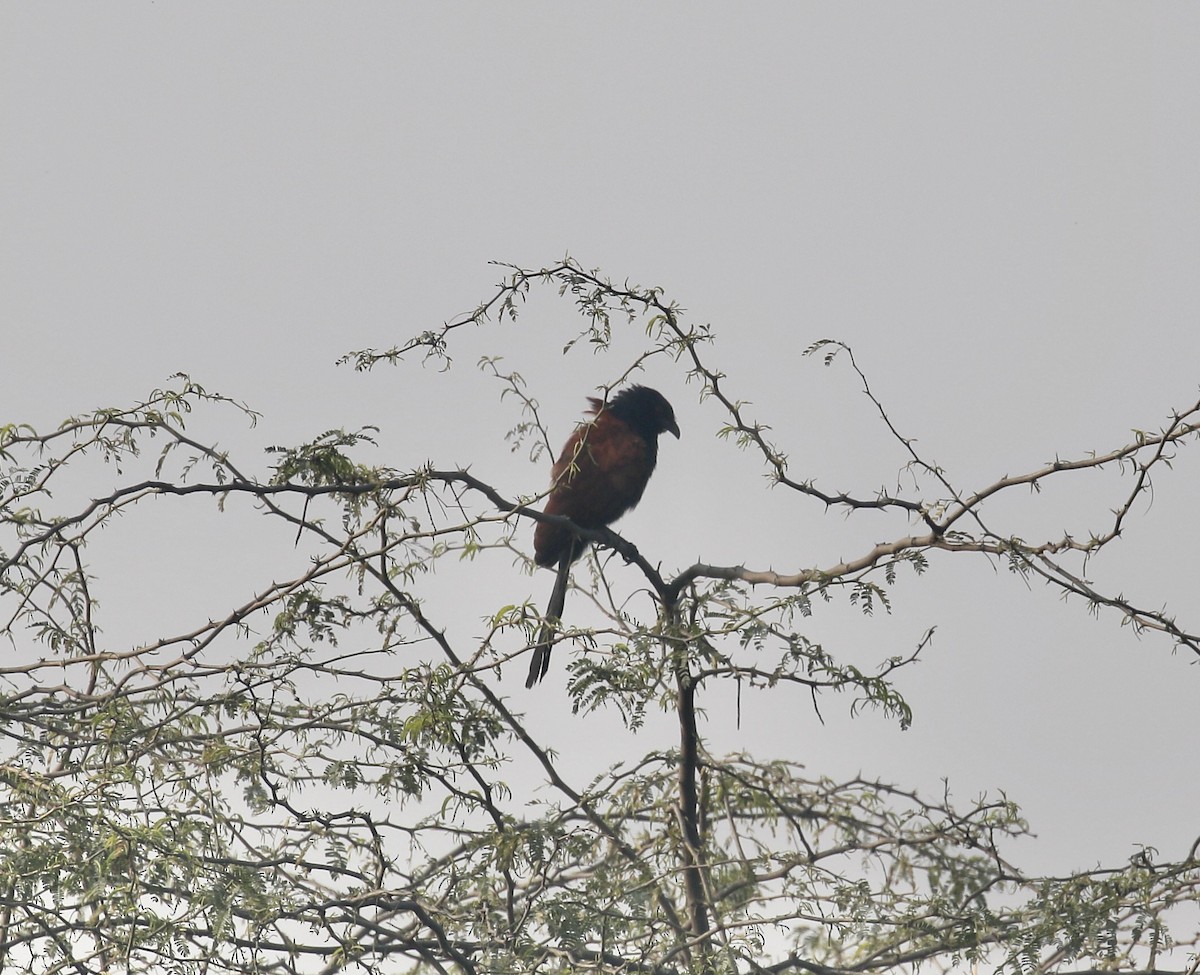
(997, 206)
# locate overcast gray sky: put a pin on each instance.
(997, 205)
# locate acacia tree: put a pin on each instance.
(318, 780)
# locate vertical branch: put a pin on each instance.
(689, 806)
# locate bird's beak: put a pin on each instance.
(674, 428)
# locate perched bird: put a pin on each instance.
(601, 473)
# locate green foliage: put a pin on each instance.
(329, 776)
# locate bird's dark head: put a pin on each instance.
(644, 409)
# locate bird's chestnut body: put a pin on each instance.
(600, 474)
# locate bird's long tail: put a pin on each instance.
(540, 661)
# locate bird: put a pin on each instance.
(600, 474)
